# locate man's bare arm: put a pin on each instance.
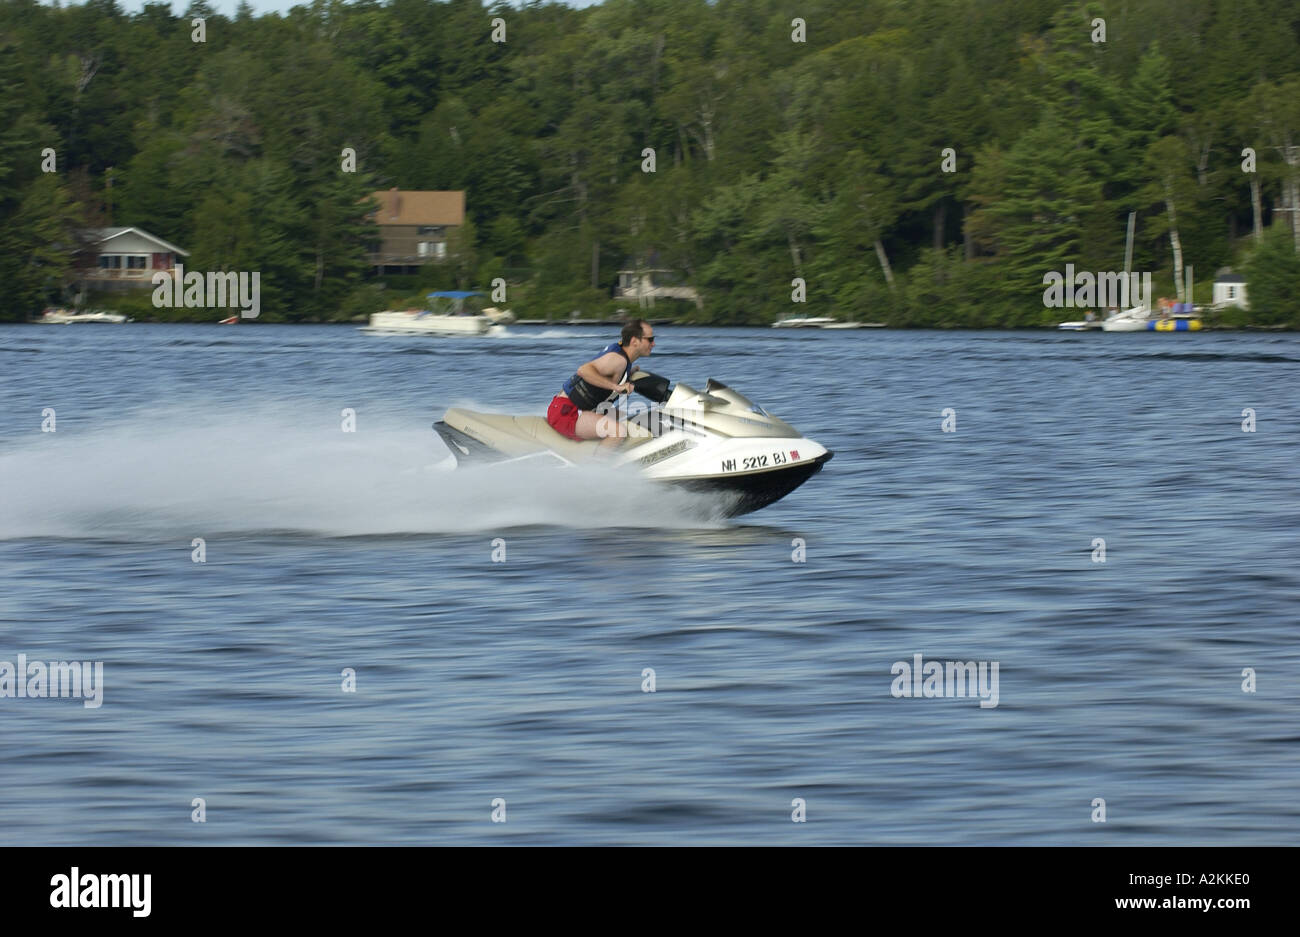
(603, 371)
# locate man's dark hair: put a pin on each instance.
(635, 328)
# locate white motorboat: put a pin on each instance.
(449, 317)
(1089, 324)
(715, 441)
(424, 322)
(822, 322)
(803, 322)
(66, 317)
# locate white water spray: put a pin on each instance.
(203, 470)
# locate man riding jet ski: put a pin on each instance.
(576, 411)
(713, 441)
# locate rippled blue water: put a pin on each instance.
(522, 679)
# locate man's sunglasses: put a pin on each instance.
(649, 338)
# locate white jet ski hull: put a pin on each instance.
(716, 441)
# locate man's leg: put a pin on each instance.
(602, 426)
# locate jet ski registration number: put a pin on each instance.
(755, 462)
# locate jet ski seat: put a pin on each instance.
(516, 436)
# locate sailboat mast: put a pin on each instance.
(1128, 244)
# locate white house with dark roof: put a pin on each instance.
(125, 258)
(1230, 290)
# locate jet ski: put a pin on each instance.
(715, 440)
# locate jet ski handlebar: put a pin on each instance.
(650, 386)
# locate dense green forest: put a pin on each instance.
(917, 162)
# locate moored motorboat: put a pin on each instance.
(803, 322)
(448, 317)
(54, 316)
(1087, 324)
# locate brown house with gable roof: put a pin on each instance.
(413, 228)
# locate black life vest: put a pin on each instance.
(588, 396)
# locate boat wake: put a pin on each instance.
(197, 472)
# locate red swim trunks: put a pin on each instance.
(562, 415)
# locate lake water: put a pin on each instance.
(523, 680)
